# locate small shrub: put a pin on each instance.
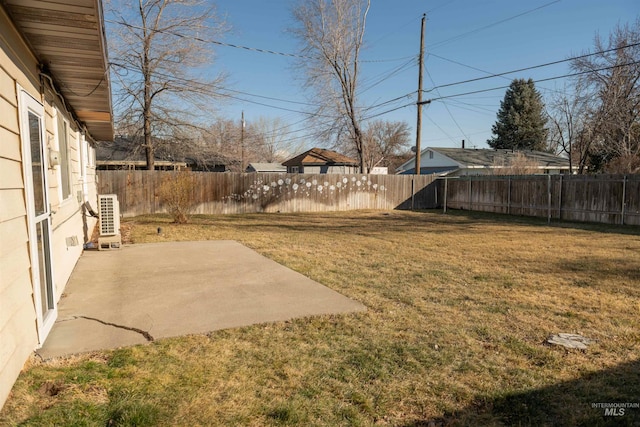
(518, 164)
(177, 193)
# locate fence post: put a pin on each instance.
(560, 198)
(413, 192)
(624, 196)
(509, 195)
(549, 199)
(469, 192)
(445, 194)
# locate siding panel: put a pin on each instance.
(14, 296)
(19, 339)
(9, 145)
(11, 174)
(7, 88)
(9, 116)
(13, 264)
(11, 204)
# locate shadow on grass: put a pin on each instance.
(579, 402)
(435, 222)
(531, 220)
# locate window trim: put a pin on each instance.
(65, 156)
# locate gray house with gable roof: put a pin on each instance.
(465, 161)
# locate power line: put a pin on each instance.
(235, 46)
(309, 114)
(537, 81)
(389, 101)
(388, 111)
(226, 95)
(478, 108)
(447, 108)
(546, 64)
(491, 25)
(392, 73)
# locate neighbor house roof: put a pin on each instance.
(320, 156)
(122, 153)
(489, 157)
(473, 158)
(129, 152)
(68, 38)
(267, 167)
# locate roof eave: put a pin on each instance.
(69, 41)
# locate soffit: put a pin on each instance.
(69, 40)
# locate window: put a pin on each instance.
(65, 164)
(430, 154)
(295, 169)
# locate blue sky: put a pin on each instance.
(462, 38)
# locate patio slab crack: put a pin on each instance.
(145, 334)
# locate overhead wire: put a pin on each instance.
(233, 45)
(468, 33)
(447, 107)
(537, 81)
(532, 67)
(307, 113)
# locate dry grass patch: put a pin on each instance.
(459, 307)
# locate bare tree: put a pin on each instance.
(570, 128)
(331, 33)
(384, 141)
(612, 75)
(157, 48)
(516, 164)
(223, 137)
(270, 140)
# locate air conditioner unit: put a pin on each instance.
(109, 214)
(109, 222)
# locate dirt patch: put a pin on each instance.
(125, 232)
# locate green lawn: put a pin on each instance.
(459, 308)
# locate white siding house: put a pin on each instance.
(471, 161)
(54, 103)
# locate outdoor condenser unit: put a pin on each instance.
(109, 222)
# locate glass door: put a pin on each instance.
(38, 211)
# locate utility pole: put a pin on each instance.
(419, 121)
(242, 144)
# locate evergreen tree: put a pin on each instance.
(521, 121)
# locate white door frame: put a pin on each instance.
(45, 305)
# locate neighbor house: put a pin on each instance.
(119, 155)
(54, 103)
(318, 160)
(128, 154)
(471, 161)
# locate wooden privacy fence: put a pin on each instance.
(609, 199)
(225, 193)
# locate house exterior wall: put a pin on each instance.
(491, 171)
(18, 334)
(430, 159)
(321, 169)
(18, 330)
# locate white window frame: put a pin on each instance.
(59, 117)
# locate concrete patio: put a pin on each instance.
(144, 292)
